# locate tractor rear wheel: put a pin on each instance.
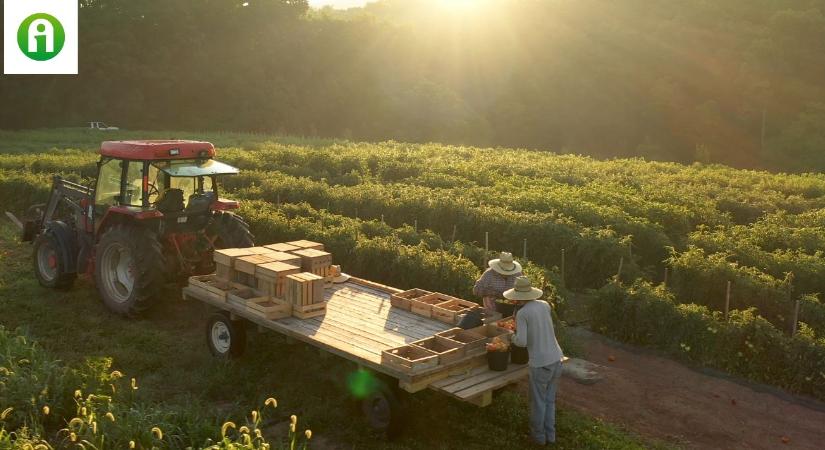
(230, 231)
(50, 256)
(129, 268)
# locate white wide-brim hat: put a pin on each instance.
(337, 275)
(523, 291)
(505, 264)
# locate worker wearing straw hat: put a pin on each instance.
(534, 330)
(499, 277)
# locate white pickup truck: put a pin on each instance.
(101, 126)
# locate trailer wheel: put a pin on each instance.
(129, 269)
(226, 338)
(50, 255)
(385, 409)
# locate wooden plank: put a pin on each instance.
(408, 321)
(396, 315)
(483, 399)
(510, 376)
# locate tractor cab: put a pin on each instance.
(173, 180)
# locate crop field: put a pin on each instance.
(400, 214)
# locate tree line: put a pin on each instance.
(737, 82)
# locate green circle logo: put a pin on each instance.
(41, 37)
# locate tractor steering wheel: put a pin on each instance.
(152, 190)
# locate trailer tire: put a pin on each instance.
(385, 409)
(230, 231)
(51, 255)
(226, 338)
(129, 269)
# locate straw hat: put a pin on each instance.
(337, 275)
(505, 264)
(523, 291)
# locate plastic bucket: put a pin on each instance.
(519, 355)
(498, 360)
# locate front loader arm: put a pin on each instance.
(63, 191)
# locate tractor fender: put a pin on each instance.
(126, 214)
(66, 238)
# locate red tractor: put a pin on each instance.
(153, 216)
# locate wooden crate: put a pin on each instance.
(258, 250)
(244, 296)
(211, 284)
(409, 358)
(309, 311)
(270, 308)
(307, 244)
(450, 309)
(226, 256)
(248, 264)
(448, 350)
(302, 289)
(282, 247)
(284, 257)
(424, 305)
(491, 331)
(402, 299)
(271, 277)
(312, 259)
(474, 343)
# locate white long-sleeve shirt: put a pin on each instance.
(534, 330)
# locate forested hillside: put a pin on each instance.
(737, 82)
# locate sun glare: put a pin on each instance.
(461, 6)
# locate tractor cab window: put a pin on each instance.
(133, 195)
(107, 192)
(165, 182)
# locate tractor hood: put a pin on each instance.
(195, 168)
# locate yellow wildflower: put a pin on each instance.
(226, 428)
(157, 432)
(110, 416)
(46, 410)
(271, 402)
(308, 434)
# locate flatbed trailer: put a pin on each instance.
(359, 324)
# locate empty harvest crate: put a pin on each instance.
(402, 299)
(473, 342)
(309, 311)
(409, 358)
(424, 305)
(448, 350)
(303, 243)
(312, 259)
(247, 264)
(447, 311)
(282, 247)
(211, 284)
(270, 308)
(243, 296)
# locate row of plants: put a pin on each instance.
(702, 278)
(402, 257)
(746, 344)
(45, 404)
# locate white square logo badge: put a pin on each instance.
(40, 37)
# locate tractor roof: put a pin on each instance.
(157, 150)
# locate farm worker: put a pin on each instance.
(499, 277)
(534, 330)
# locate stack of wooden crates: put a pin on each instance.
(277, 280)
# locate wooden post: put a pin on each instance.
(795, 317)
(356, 213)
(486, 243)
(278, 200)
(382, 218)
(727, 301)
(619, 272)
(525, 250)
(415, 226)
(454, 229)
(665, 281)
(562, 267)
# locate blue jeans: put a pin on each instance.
(543, 384)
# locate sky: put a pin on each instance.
(337, 3)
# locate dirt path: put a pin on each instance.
(658, 397)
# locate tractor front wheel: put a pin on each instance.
(50, 256)
(129, 269)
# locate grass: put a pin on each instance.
(166, 352)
